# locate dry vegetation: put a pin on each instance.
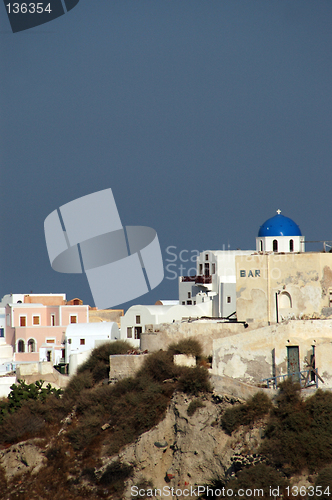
(129, 407)
(297, 439)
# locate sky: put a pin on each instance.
(204, 117)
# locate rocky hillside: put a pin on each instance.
(161, 434)
(183, 450)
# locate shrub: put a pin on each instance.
(114, 477)
(159, 366)
(245, 414)
(22, 392)
(299, 433)
(100, 356)
(77, 384)
(86, 430)
(22, 424)
(258, 477)
(324, 480)
(188, 346)
(193, 406)
(194, 380)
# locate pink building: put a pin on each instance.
(36, 326)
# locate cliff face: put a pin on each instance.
(182, 450)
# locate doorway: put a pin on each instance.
(293, 362)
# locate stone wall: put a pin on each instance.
(125, 365)
(249, 357)
(161, 336)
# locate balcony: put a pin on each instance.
(202, 280)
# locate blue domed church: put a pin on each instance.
(279, 234)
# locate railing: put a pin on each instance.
(197, 279)
(301, 377)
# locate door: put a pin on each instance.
(293, 362)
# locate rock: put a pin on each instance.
(193, 450)
(22, 457)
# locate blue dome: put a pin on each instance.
(279, 225)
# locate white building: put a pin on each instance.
(86, 336)
(215, 282)
(210, 293)
(139, 319)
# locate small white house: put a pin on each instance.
(138, 318)
(82, 337)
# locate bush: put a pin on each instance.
(22, 424)
(258, 477)
(324, 480)
(77, 384)
(98, 364)
(188, 346)
(194, 380)
(245, 414)
(22, 392)
(115, 476)
(299, 433)
(159, 366)
(86, 430)
(193, 406)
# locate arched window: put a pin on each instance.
(275, 245)
(261, 245)
(285, 301)
(31, 345)
(20, 346)
(291, 245)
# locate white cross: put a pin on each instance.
(278, 211)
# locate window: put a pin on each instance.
(285, 300)
(206, 256)
(20, 346)
(23, 321)
(194, 302)
(275, 245)
(82, 341)
(138, 320)
(50, 341)
(35, 320)
(189, 302)
(291, 245)
(213, 269)
(49, 356)
(2, 332)
(229, 300)
(138, 331)
(183, 303)
(69, 341)
(207, 269)
(261, 245)
(52, 319)
(200, 268)
(73, 319)
(31, 345)
(129, 332)
(189, 295)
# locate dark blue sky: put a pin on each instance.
(204, 117)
